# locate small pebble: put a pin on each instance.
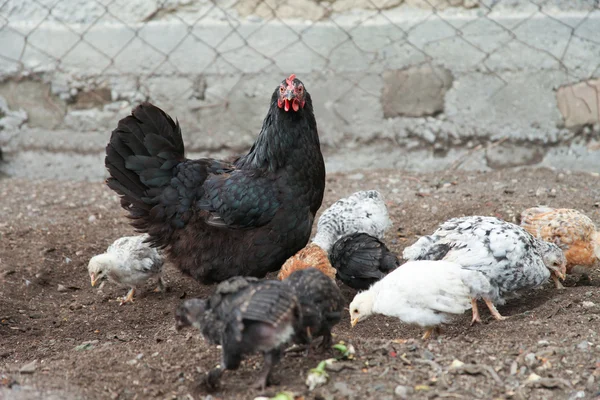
(356, 177)
(533, 378)
(531, 360)
(543, 343)
(92, 218)
(343, 389)
(583, 345)
(403, 391)
(29, 368)
(62, 288)
(588, 304)
(513, 368)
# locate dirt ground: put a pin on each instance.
(86, 346)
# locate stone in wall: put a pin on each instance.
(415, 91)
(94, 98)
(443, 4)
(508, 155)
(347, 5)
(579, 103)
(44, 110)
(269, 9)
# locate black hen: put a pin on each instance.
(219, 219)
(361, 260)
(244, 316)
(321, 301)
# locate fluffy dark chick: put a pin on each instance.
(361, 260)
(321, 301)
(244, 316)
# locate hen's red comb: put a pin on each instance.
(290, 80)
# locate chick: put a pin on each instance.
(321, 302)
(129, 261)
(311, 256)
(572, 231)
(363, 211)
(361, 260)
(510, 257)
(245, 316)
(424, 293)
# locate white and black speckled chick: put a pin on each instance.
(509, 257)
(363, 211)
(361, 260)
(321, 301)
(244, 316)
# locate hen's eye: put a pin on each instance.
(281, 89)
(300, 88)
(354, 311)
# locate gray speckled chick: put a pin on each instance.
(510, 257)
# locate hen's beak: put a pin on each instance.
(289, 95)
(94, 280)
(561, 275)
(354, 321)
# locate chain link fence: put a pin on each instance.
(204, 58)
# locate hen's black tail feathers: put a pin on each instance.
(140, 157)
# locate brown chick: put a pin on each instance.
(572, 231)
(310, 256)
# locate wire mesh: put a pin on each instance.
(354, 40)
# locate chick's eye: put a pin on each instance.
(354, 311)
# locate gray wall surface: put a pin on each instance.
(414, 84)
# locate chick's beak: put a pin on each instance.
(354, 321)
(93, 279)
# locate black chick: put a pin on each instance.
(244, 316)
(321, 301)
(361, 260)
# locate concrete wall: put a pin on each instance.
(395, 84)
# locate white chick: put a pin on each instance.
(129, 261)
(425, 293)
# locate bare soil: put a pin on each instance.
(89, 347)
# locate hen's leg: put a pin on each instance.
(557, 283)
(326, 342)
(212, 378)
(129, 297)
(475, 310)
(430, 331)
(270, 359)
(161, 285)
(427, 333)
(493, 310)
